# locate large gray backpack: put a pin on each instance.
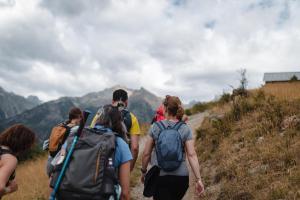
(88, 175)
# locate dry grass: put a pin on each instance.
(283, 91)
(253, 155)
(32, 181)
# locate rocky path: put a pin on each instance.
(137, 192)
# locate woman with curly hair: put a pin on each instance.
(14, 141)
(172, 184)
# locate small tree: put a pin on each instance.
(294, 78)
(243, 80)
(241, 90)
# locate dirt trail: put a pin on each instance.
(137, 192)
(194, 122)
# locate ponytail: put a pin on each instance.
(174, 106)
(180, 113)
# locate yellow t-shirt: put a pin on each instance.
(135, 127)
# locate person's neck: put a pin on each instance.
(73, 122)
(172, 118)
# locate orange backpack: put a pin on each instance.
(58, 136)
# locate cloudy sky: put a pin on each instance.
(190, 48)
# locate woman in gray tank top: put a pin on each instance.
(172, 185)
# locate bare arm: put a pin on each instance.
(8, 165)
(194, 163)
(134, 150)
(124, 175)
(192, 157)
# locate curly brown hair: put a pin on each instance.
(18, 138)
(174, 106)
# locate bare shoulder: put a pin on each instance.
(9, 160)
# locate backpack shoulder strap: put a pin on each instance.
(178, 125)
(126, 115)
(160, 125)
(5, 151)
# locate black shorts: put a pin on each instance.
(171, 187)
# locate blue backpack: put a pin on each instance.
(169, 146)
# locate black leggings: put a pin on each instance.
(171, 187)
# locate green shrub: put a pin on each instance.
(200, 107)
(225, 98)
(188, 112)
(240, 107)
(222, 126)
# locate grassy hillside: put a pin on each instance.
(249, 149)
(32, 181)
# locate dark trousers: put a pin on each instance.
(171, 187)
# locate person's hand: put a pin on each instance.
(143, 177)
(13, 186)
(199, 187)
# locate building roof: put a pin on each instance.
(280, 76)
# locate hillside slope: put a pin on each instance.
(41, 118)
(249, 149)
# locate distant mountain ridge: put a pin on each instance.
(12, 104)
(43, 117)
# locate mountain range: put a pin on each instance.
(42, 117)
(12, 104)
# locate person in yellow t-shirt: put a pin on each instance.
(120, 99)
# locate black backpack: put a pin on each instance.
(127, 119)
(127, 122)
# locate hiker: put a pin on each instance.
(160, 114)
(14, 141)
(100, 164)
(173, 180)
(60, 133)
(123, 156)
(120, 100)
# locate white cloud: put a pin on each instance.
(188, 48)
